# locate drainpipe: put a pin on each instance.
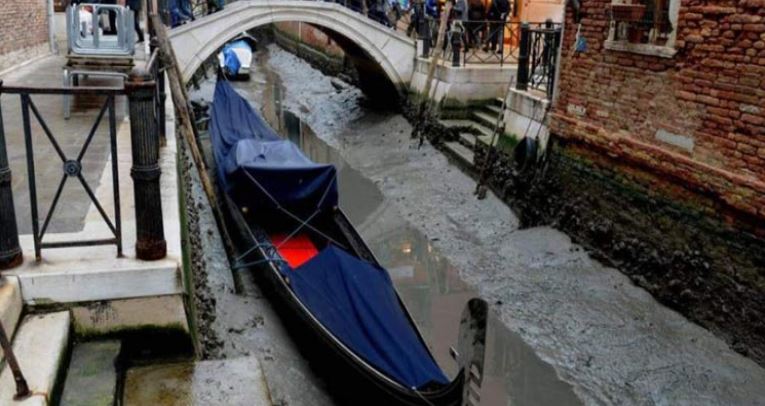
(52, 28)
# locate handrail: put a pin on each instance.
(84, 90)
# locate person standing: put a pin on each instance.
(214, 6)
(417, 16)
(135, 6)
(497, 15)
(475, 25)
(112, 17)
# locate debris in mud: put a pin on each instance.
(701, 269)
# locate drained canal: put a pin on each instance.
(564, 330)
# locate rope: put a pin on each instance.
(292, 215)
(238, 266)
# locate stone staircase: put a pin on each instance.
(476, 127)
(40, 343)
(87, 373)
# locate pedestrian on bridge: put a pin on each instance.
(135, 5)
(497, 15)
(416, 17)
(475, 24)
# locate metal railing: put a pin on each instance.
(538, 58)
(71, 165)
(144, 89)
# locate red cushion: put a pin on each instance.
(297, 250)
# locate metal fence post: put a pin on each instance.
(144, 135)
(425, 34)
(522, 81)
(10, 251)
(456, 40)
(553, 62)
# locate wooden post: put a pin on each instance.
(184, 119)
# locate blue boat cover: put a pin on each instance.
(230, 61)
(357, 302)
(353, 299)
(259, 169)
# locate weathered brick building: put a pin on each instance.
(658, 140)
(688, 108)
(23, 31)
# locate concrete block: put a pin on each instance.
(92, 377)
(40, 347)
(233, 381)
(10, 305)
(106, 317)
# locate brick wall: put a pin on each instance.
(695, 121)
(23, 29)
(312, 36)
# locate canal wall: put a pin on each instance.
(314, 46)
(658, 161)
(689, 112)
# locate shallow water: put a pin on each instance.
(429, 286)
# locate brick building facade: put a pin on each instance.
(684, 115)
(23, 31)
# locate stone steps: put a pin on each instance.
(92, 376)
(484, 118)
(40, 346)
(467, 139)
(461, 152)
(457, 123)
(493, 110)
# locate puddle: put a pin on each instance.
(428, 284)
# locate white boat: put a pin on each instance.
(236, 57)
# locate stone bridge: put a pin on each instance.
(393, 52)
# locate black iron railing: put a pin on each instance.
(71, 165)
(144, 89)
(538, 58)
(482, 42)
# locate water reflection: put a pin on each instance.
(429, 286)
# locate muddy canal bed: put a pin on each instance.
(565, 329)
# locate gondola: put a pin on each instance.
(284, 207)
(235, 58)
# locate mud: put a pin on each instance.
(610, 339)
(704, 269)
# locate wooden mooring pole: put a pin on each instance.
(437, 52)
(185, 120)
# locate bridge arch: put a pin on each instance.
(197, 41)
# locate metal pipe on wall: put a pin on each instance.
(52, 28)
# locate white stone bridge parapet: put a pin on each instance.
(194, 42)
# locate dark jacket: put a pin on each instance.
(134, 5)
